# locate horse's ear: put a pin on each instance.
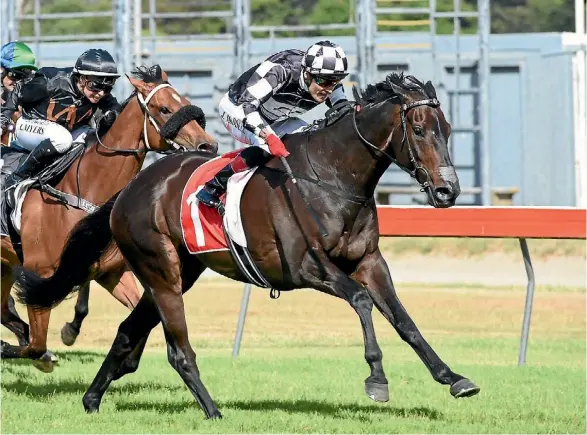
(429, 88)
(164, 76)
(357, 94)
(139, 85)
(398, 90)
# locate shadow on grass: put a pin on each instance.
(343, 411)
(41, 392)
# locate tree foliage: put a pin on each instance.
(508, 16)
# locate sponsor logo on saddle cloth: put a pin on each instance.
(202, 225)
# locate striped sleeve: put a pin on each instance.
(267, 79)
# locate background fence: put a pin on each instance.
(516, 102)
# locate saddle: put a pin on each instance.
(45, 181)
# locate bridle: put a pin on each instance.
(143, 103)
(418, 169)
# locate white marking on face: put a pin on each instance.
(176, 97)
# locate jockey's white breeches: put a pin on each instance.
(30, 132)
(232, 116)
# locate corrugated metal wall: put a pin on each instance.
(531, 103)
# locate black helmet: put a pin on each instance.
(96, 62)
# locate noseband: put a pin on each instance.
(175, 120)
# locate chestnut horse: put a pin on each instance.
(337, 168)
(155, 117)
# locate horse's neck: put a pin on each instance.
(102, 172)
(340, 157)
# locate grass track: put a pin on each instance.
(301, 368)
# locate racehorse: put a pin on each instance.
(337, 168)
(154, 117)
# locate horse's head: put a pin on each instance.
(419, 135)
(171, 121)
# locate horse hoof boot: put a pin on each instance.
(91, 403)
(464, 388)
(377, 392)
(68, 334)
(46, 363)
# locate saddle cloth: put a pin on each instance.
(202, 226)
(13, 200)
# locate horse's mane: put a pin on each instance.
(148, 74)
(384, 90)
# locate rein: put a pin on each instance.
(418, 169)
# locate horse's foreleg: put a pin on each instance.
(328, 278)
(37, 350)
(374, 274)
(71, 330)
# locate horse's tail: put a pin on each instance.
(86, 243)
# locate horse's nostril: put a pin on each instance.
(206, 147)
(444, 193)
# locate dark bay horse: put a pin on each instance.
(337, 167)
(155, 117)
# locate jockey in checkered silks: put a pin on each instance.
(263, 104)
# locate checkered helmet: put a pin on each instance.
(325, 59)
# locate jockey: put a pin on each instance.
(17, 62)
(263, 104)
(57, 106)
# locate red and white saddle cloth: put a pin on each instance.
(202, 225)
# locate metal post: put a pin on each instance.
(457, 89)
(484, 72)
(122, 48)
(432, 12)
(152, 29)
(138, 33)
(8, 21)
(37, 29)
(580, 90)
(529, 300)
(241, 320)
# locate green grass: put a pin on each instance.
(477, 247)
(297, 390)
(301, 368)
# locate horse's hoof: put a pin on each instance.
(46, 363)
(377, 392)
(216, 415)
(68, 334)
(464, 388)
(91, 403)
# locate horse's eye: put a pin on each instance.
(165, 111)
(419, 131)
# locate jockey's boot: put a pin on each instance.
(212, 191)
(41, 156)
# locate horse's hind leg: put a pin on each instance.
(374, 274)
(124, 356)
(71, 330)
(162, 274)
(125, 351)
(9, 316)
